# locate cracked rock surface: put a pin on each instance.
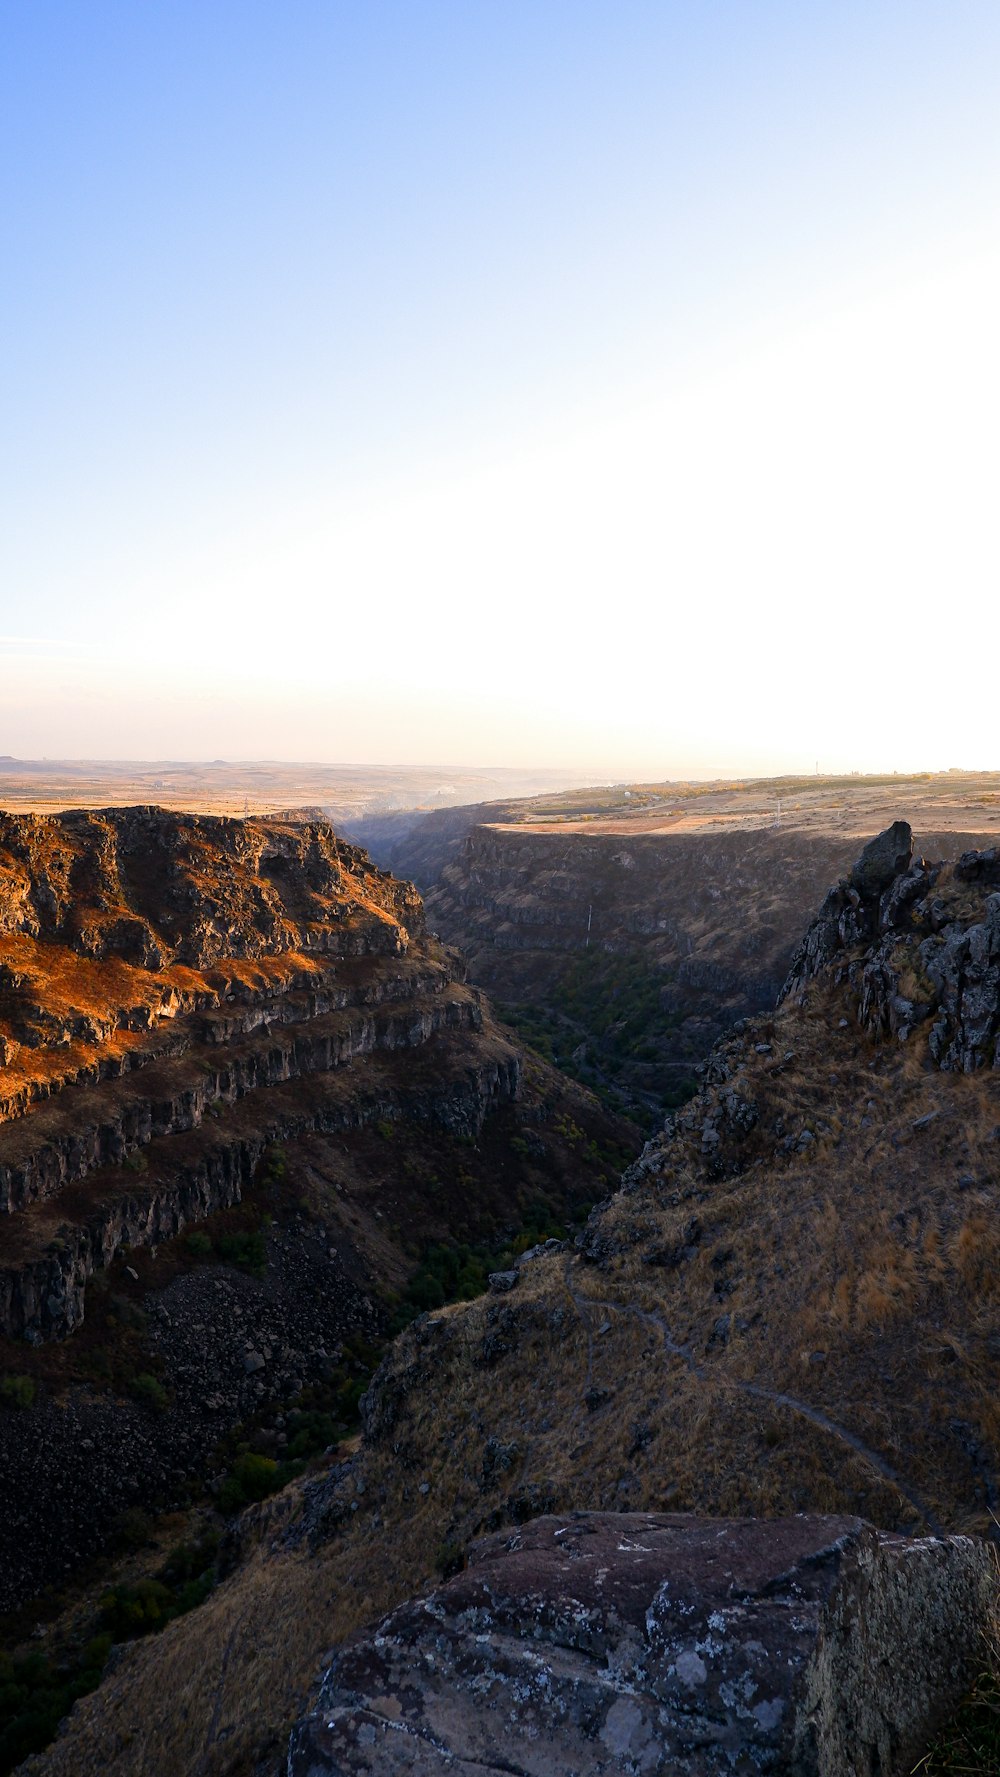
(649, 1643)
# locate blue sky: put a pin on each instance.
(372, 375)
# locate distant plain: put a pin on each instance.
(832, 806)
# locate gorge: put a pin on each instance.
(789, 1305)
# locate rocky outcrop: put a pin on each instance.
(114, 925)
(150, 886)
(919, 943)
(179, 992)
(883, 859)
(604, 1643)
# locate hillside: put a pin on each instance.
(251, 1117)
(791, 1304)
(622, 931)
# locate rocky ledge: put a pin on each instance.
(652, 1643)
(919, 942)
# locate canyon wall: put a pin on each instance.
(177, 994)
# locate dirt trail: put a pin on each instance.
(756, 1390)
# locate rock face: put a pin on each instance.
(602, 1643)
(918, 942)
(150, 886)
(176, 994)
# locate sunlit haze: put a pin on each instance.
(612, 388)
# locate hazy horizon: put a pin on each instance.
(608, 387)
(486, 768)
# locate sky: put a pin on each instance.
(610, 387)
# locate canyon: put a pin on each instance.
(623, 930)
(788, 1305)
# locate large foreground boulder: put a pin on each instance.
(647, 1644)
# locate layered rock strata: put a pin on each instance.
(604, 1643)
(178, 993)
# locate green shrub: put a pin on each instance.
(246, 1250)
(133, 1529)
(36, 1693)
(190, 1561)
(17, 1391)
(251, 1478)
(199, 1245)
(275, 1164)
(453, 1271)
(146, 1606)
(150, 1390)
(137, 1162)
(138, 1609)
(309, 1433)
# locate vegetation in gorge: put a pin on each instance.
(37, 1690)
(604, 1021)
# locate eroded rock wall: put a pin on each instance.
(177, 992)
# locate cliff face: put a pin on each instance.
(244, 1027)
(153, 887)
(157, 971)
(418, 845)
